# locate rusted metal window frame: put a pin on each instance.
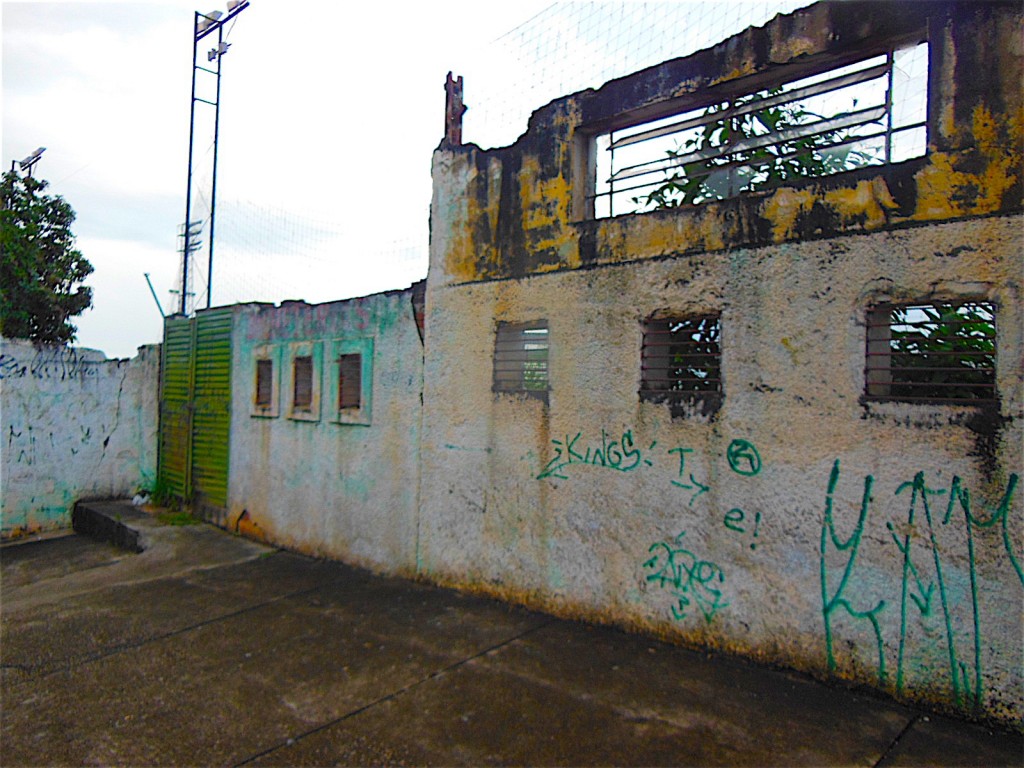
(905, 382)
(264, 389)
(302, 404)
(336, 350)
(350, 385)
(266, 353)
(647, 173)
(521, 359)
(669, 349)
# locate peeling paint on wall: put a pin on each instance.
(75, 425)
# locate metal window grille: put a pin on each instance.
(350, 383)
(264, 383)
(302, 379)
(871, 112)
(681, 359)
(943, 352)
(521, 358)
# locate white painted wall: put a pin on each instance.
(324, 483)
(75, 426)
(683, 538)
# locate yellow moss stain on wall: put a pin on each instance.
(783, 209)
(460, 257)
(870, 199)
(944, 191)
(546, 205)
(660, 236)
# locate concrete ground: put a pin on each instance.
(206, 649)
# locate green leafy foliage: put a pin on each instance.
(40, 270)
(696, 354)
(943, 351)
(726, 173)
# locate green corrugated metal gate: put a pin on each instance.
(195, 408)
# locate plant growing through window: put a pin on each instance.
(945, 351)
(731, 157)
(866, 113)
(681, 360)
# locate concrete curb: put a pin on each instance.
(102, 522)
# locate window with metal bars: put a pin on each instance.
(521, 358)
(350, 381)
(302, 384)
(871, 112)
(942, 352)
(264, 384)
(681, 360)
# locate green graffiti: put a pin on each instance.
(690, 580)
(621, 455)
(919, 495)
(743, 458)
(916, 589)
(694, 484)
(838, 600)
(999, 516)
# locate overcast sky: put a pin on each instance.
(328, 122)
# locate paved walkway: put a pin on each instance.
(206, 649)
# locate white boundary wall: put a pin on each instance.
(74, 426)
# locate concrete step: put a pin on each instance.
(117, 522)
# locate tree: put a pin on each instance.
(736, 161)
(40, 269)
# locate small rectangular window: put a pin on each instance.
(681, 360)
(264, 384)
(302, 384)
(350, 384)
(521, 358)
(941, 352)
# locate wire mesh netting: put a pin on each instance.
(271, 253)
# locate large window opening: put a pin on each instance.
(868, 113)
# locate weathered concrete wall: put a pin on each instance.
(522, 210)
(343, 486)
(800, 524)
(75, 426)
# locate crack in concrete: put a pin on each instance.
(395, 694)
(113, 651)
(895, 742)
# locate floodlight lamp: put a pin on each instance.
(208, 20)
(232, 4)
(220, 50)
(31, 158)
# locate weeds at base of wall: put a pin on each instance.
(161, 495)
(176, 517)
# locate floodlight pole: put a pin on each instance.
(213, 183)
(204, 25)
